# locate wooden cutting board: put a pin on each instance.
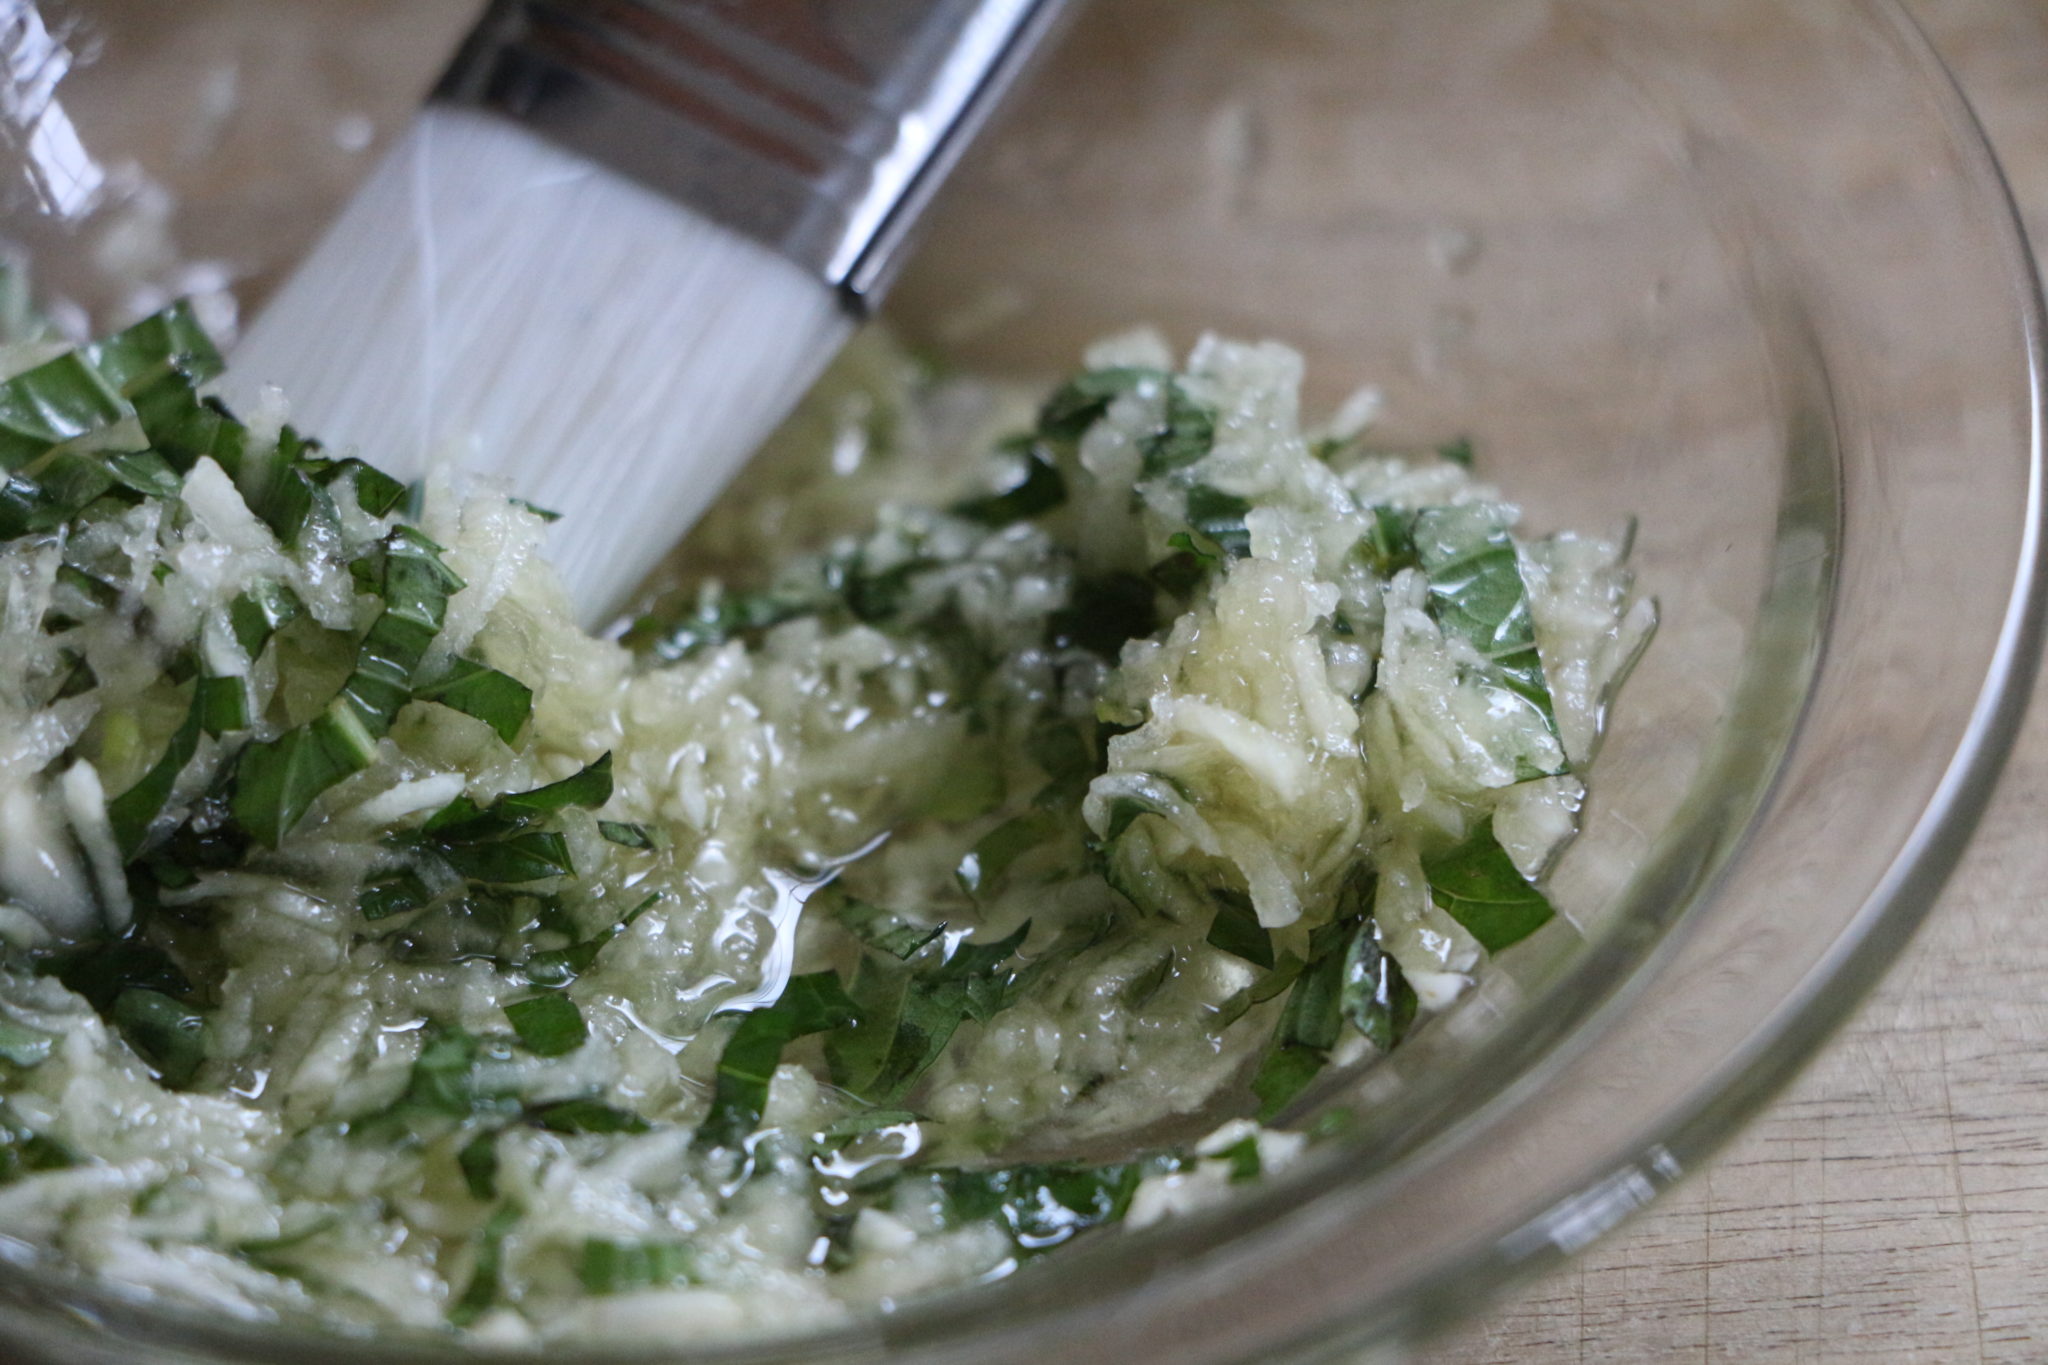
(1893, 1204)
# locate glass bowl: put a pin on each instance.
(1744, 272)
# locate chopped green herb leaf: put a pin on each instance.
(626, 835)
(998, 850)
(809, 1004)
(1236, 930)
(497, 699)
(614, 1267)
(170, 1036)
(1478, 885)
(549, 1025)
(484, 1287)
(588, 1116)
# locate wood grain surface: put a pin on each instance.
(1893, 1204)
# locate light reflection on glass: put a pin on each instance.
(61, 173)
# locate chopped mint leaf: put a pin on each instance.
(587, 1116)
(885, 930)
(1044, 1206)
(626, 835)
(398, 894)
(529, 857)
(1220, 517)
(497, 699)
(22, 1045)
(1458, 452)
(277, 781)
(905, 1016)
(1476, 593)
(1038, 491)
(1478, 885)
(1284, 1074)
(478, 1161)
(484, 1286)
(815, 1003)
(608, 1267)
(717, 617)
(259, 613)
(995, 852)
(1376, 999)
(1103, 614)
(1236, 930)
(58, 402)
(142, 355)
(167, 1034)
(134, 812)
(1081, 402)
(590, 788)
(549, 1025)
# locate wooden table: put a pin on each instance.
(1893, 1204)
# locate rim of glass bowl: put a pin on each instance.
(1382, 1234)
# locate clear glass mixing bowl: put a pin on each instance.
(1743, 271)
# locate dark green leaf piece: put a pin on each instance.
(1377, 999)
(814, 1003)
(21, 1045)
(260, 612)
(548, 1025)
(529, 857)
(608, 1267)
(995, 852)
(589, 788)
(626, 834)
(1236, 930)
(58, 402)
(1104, 613)
(144, 354)
(484, 1286)
(716, 618)
(1284, 1074)
(906, 1017)
(398, 894)
(587, 1116)
(1220, 517)
(1478, 885)
(1389, 546)
(169, 1035)
(1045, 1206)
(884, 930)
(478, 1162)
(1040, 489)
(24, 1151)
(101, 971)
(134, 811)
(497, 699)
(277, 781)
(1081, 402)
(1476, 593)
(1458, 452)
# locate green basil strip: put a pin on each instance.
(608, 1267)
(134, 811)
(1478, 885)
(815, 1003)
(1040, 489)
(484, 1286)
(59, 401)
(497, 699)
(548, 1025)
(1476, 593)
